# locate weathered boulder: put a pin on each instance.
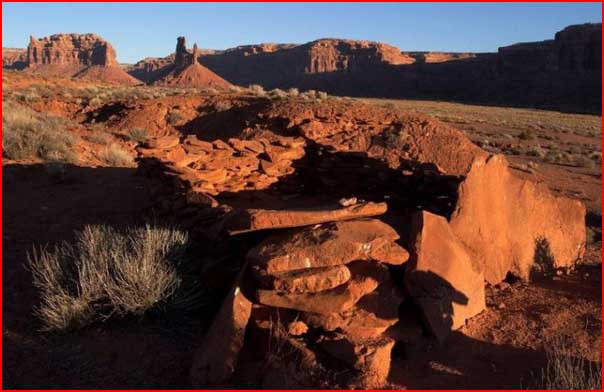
(503, 219)
(216, 359)
(442, 276)
(309, 280)
(248, 220)
(327, 245)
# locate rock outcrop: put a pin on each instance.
(71, 49)
(320, 263)
(80, 56)
(185, 71)
(13, 58)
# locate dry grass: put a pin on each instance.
(27, 134)
(563, 371)
(138, 135)
(257, 90)
(115, 156)
(107, 273)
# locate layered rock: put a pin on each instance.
(556, 74)
(71, 49)
(323, 268)
(81, 56)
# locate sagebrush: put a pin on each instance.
(107, 273)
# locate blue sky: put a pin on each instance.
(139, 30)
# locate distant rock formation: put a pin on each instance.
(185, 71)
(562, 74)
(14, 58)
(76, 49)
(80, 56)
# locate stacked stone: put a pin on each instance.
(190, 173)
(325, 280)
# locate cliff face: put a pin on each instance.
(71, 49)
(80, 56)
(574, 49)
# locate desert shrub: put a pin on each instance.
(543, 259)
(564, 371)
(222, 106)
(115, 156)
(395, 138)
(596, 156)
(138, 135)
(536, 151)
(99, 138)
(527, 134)
(309, 95)
(257, 90)
(96, 101)
(235, 89)
(108, 273)
(293, 92)
(175, 117)
(583, 161)
(27, 134)
(277, 93)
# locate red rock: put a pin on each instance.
(276, 153)
(255, 219)
(200, 198)
(81, 56)
(194, 141)
(247, 145)
(216, 359)
(308, 280)
(371, 358)
(442, 277)
(500, 219)
(221, 145)
(277, 169)
(373, 314)
(335, 300)
(327, 245)
(163, 143)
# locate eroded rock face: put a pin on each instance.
(503, 220)
(71, 49)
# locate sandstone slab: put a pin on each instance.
(309, 280)
(443, 278)
(216, 359)
(256, 219)
(335, 300)
(327, 245)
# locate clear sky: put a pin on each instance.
(139, 30)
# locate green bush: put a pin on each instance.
(108, 273)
